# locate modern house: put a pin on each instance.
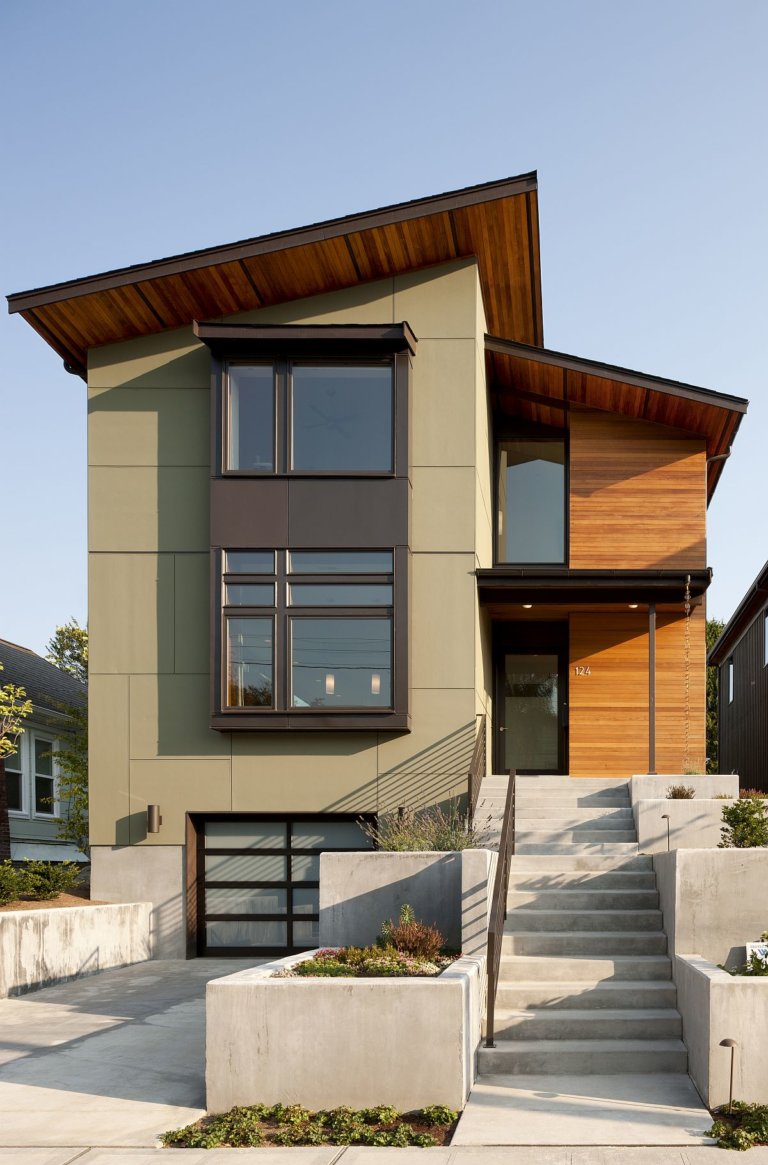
(35, 806)
(741, 657)
(347, 516)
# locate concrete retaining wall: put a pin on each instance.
(451, 891)
(716, 1006)
(713, 901)
(40, 947)
(644, 786)
(148, 873)
(694, 824)
(329, 1042)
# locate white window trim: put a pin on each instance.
(21, 752)
(56, 807)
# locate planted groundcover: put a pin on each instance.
(742, 1128)
(364, 963)
(280, 1124)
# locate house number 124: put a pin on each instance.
(582, 669)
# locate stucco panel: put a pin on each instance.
(443, 509)
(149, 426)
(177, 786)
(172, 359)
(191, 588)
(443, 590)
(430, 763)
(169, 718)
(141, 508)
(439, 302)
(442, 407)
(131, 613)
(333, 772)
(108, 801)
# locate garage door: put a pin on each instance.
(259, 880)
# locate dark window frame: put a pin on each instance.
(508, 430)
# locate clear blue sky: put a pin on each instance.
(134, 129)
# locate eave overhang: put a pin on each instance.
(494, 222)
(751, 605)
(563, 585)
(542, 385)
(320, 339)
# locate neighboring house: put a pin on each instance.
(741, 657)
(32, 773)
(346, 513)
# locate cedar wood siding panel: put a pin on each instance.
(608, 734)
(744, 723)
(637, 495)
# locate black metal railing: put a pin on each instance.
(476, 769)
(498, 913)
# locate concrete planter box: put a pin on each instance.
(644, 786)
(329, 1042)
(694, 824)
(40, 947)
(716, 1006)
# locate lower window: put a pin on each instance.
(258, 880)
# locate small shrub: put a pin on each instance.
(745, 824)
(681, 793)
(411, 937)
(438, 1114)
(43, 880)
(753, 793)
(9, 882)
(411, 829)
(741, 1129)
(755, 966)
(366, 963)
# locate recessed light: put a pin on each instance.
(633, 606)
(527, 606)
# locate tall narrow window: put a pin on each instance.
(13, 779)
(251, 418)
(531, 500)
(45, 789)
(765, 639)
(730, 681)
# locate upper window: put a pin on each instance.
(731, 685)
(287, 416)
(765, 639)
(531, 500)
(14, 782)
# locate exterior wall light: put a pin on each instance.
(665, 817)
(733, 1046)
(632, 606)
(527, 606)
(375, 684)
(330, 684)
(154, 820)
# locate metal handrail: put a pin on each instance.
(476, 769)
(498, 913)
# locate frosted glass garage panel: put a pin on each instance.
(306, 932)
(246, 867)
(245, 834)
(242, 900)
(329, 835)
(306, 900)
(251, 933)
(305, 868)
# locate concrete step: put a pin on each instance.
(628, 1023)
(576, 849)
(546, 969)
(568, 898)
(601, 799)
(569, 816)
(526, 918)
(569, 784)
(587, 944)
(582, 880)
(581, 1057)
(577, 834)
(593, 996)
(569, 862)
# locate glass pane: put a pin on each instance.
(340, 595)
(531, 716)
(343, 663)
(231, 901)
(305, 868)
(245, 834)
(342, 417)
(44, 795)
(249, 663)
(329, 835)
(13, 763)
(246, 934)
(43, 758)
(250, 594)
(306, 900)
(249, 562)
(13, 790)
(341, 561)
(531, 514)
(251, 442)
(248, 867)
(306, 933)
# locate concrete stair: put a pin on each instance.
(585, 982)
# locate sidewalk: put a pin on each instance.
(351, 1156)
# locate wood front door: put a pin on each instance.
(532, 698)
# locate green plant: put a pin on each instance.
(14, 709)
(409, 829)
(714, 630)
(438, 1114)
(43, 880)
(681, 793)
(755, 966)
(366, 963)
(9, 882)
(744, 1127)
(68, 650)
(753, 793)
(411, 937)
(745, 824)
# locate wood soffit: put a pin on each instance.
(495, 222)
(542, 386)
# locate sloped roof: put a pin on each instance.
(751, 605)
(47, 686)
(496, 222)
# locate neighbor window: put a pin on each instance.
(730, 681)
(14, 779)
(308, 629)
(531, 500)
(44, 781)
(765, 639)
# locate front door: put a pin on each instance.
(532, 698)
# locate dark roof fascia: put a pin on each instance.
(676, 388)
(276, 241)
(269, 337)
(563, 584)
(741, 620)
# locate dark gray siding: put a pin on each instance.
(744, 721)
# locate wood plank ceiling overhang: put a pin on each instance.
(541, 386)
(496, 222)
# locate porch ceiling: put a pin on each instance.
(562, 586)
